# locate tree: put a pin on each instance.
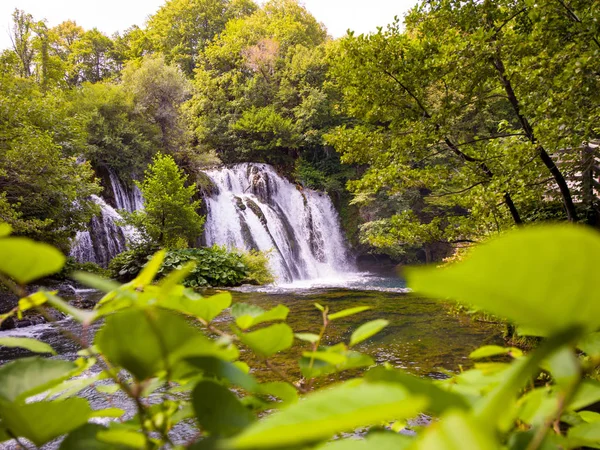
(169, 217)
(182, 28)
(159, 90)
(45, 189)
(119, 134)
(22, 36)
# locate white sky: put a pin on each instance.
(109, 16)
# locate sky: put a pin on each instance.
(110, 16)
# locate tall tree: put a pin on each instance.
(182, 28)
(169, 217)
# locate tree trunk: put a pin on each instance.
(543, 154)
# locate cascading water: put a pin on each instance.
(127, 199)
(255, 208)
(104, 239)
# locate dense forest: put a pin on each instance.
(466, 120)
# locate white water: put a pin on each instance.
(104, 239)
(256, 208)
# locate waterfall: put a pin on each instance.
(255, 208)
(104, 239)
(127, 199)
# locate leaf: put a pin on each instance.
(215, 367)
(532, 258)
(150, 270)
(585, 435)
(270, 340)
(42, 422)
(218, 410)
(319, 307)
(119, 437)
(25, 260)
(440, 400)
(587, 394)
(494, 350)
(378, 441)
(456, 431)
(341, 359)
(207, 308)
(80, 315)
(86, 437)
(5, 229)
(365, 331)
(590, 344)
(95, 281)
(284, 391)
(348, 312)
(27, 376)
(30, 344)
(146, 342)
(322, 414)
(307, 337)
(246, 309)
(280, 312)
(32, 301)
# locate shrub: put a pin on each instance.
(128, 264)
(215, 266)
(257, 263)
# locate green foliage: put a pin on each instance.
(159, 335)
(128, 264)
(257, 265)
(214, 266)
(169, 217)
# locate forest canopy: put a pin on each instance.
(461, 121)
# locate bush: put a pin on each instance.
(215, 266)
(257, 263)
(128, 264)
(73, 266)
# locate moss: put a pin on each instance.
(256, 210)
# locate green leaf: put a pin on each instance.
(440, 400)
(32, 301)
(146, 342)
(28, 376)
(587, 394)
(95, 281)
(456, 431)
(323, 414)
(585, 435)
(348, 312)
(5, 229)
(488, 351)
(120, 437)
(246, 309)
(365, 331)
(307, 337)
(268, 341)
(80, 315)
(30, 344)
(150, 270)
(284, 391)
(333, 359)
(207, 308)
(590, 344)
(373, 441)
(42, 422)
(215, 367)
(86, 437)
(532, 258)
(218, 410)
(246, 321)
(25, 260)
(319, 307)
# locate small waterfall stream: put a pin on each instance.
(104, 239)
(256, 208)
